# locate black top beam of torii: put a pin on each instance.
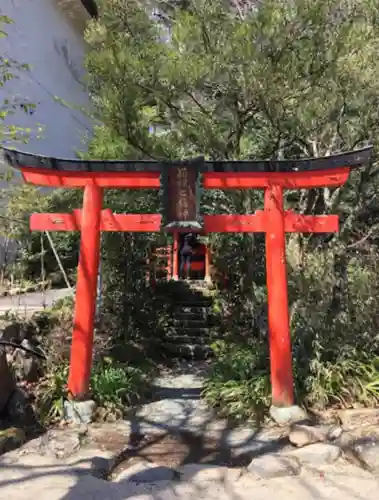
(91, 8)
(350, 159)
(180, 180)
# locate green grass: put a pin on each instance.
(117, 387)
(239, 384)
(114, 386)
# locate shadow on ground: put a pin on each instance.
(168, 443)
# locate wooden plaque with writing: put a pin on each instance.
(181, 195)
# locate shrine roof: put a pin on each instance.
(350, 159)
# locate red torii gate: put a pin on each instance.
(272, 176)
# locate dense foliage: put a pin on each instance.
(28, 256)
(335, 345)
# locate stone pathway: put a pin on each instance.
(177, 404)
(72, 463)
(179, 407)
(33, 301)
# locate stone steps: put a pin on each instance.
(188, 339)
(185, 295)
(195, 302)
(191, 332)
(190, 322)
(206, 316)
(188, 351)
(191, 310)
(188, 333)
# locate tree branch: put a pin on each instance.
(365, 238)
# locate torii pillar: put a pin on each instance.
(91, 220)
(86, 291)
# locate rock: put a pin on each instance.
(80, 412)
(270, 466)
(316, 454)
(335, 433)
(146, 472)
(63, 444)
(11, 439)
(363, 434)
(358, 417)
(7, 383)
(95, 461)
(31, 369)
(101, 414)
(56, 444)
(10, 357)
(12, 333)
(287, 415)
(201, 473)
(17, 361)
(26, 366)
(18, 405)
(361, 446)
(303, 435)
(369, 454)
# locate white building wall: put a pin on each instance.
(45, 38)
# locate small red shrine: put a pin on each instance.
(164, 262)
(179, 181)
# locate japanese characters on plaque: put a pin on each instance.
(183, 193)
(180, 194)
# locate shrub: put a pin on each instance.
(50, 394)
(239, 384)
(117, 387)
(335, 342)
(114, 387)
(334, 328)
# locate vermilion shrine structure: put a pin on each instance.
(180, 182)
